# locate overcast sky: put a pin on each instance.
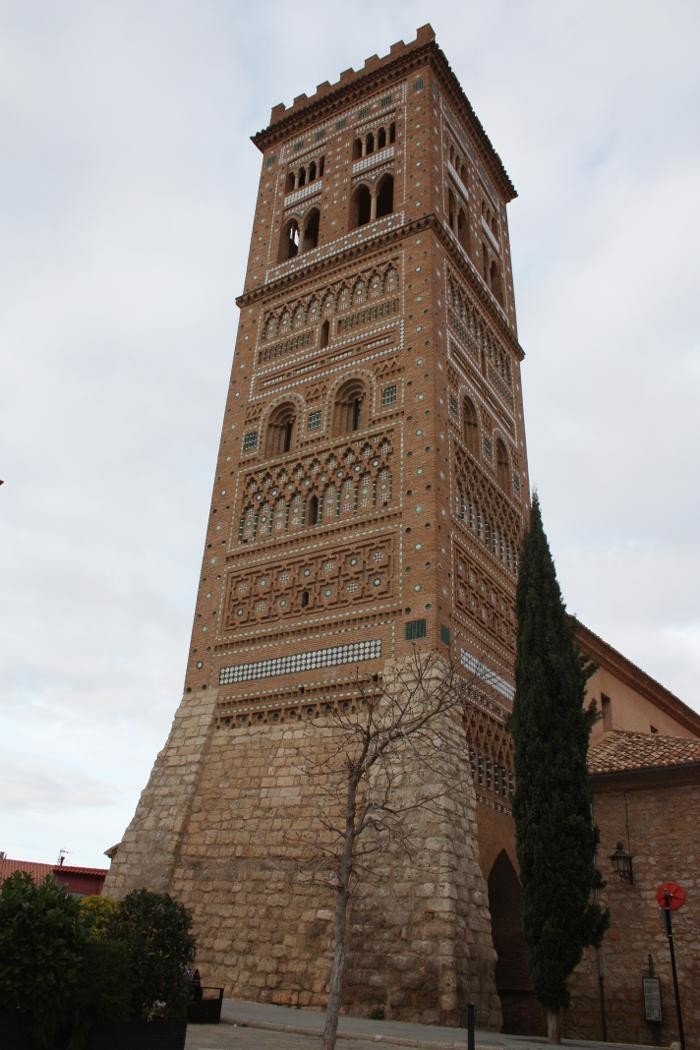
(128, 186)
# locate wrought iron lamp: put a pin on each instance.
(622, 863)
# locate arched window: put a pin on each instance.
(312, 511)
(385, 195)
(392, 132)
(325, 333)
(280, 430)
(289, 241)
(349, 409)
(321, 165)
(470, 426)
(381, 138)
(502, 466)
(312, 171)
(289, 182)
(463, 229)
(360, 207)
(304, 599)
(310, 239)
(357, 149)
(369, 144)
(301, 181)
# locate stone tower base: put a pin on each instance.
(233, 822)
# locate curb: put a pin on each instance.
(529, 1041)
(386, 1040)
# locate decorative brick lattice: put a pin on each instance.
(371, 284)
(482, 600)
(474, 334)
(348, 480)
(483, 509)
(356, 574)
(490, 757)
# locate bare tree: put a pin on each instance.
(397, 748)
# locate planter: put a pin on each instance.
(139, 1035)
(207, 1009)
(13, 1034)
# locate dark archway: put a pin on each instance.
(360, 207)
(520, 1008)
(385, 196)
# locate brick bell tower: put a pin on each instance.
(369, 498)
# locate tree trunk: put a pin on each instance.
(335, 991)
(342, 896)
(554, 1026)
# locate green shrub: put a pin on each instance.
(42, 942)
(67, 965)
(155, 932)
(97, 913)
(103, 993)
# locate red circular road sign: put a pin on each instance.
(671, 895)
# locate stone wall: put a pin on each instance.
(150, 846)
(235, 823)
(656, 814)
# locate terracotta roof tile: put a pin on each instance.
(37, 871)
(619, 750)
(72, 869)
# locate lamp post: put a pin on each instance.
(621, 862)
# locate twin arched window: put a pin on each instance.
(367, 204)
(458, 219)
(297, 239)
(350, 413)
(470, 435)
(491, 273)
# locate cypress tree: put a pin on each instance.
(552, 807)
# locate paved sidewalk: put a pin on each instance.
(259, 1026)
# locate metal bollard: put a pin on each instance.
(471, 1017)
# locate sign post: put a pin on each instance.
(670, 896)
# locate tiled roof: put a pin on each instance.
(39, 872)
(71, 869)
(619, 751)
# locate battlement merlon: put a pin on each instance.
(285, 120)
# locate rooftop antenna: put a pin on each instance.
(62, 854)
